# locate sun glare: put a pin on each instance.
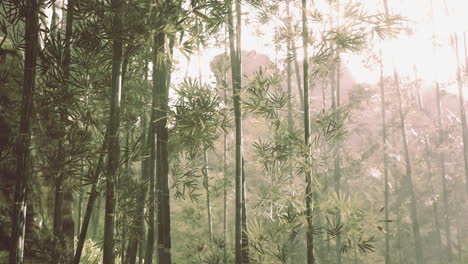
(412, 50)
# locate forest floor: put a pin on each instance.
(4, 259)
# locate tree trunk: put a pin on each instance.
(151, 141)
(58, 256)
(128, 134)
(308, 190)
(461, 100)
(435, 211)
(138, 239)
(142, 241)
(337, 169)
(93, 195)
(68, 225)
(289, 73)
(441, 160)
(434, 201)
(385, 159)
(236, 71)
(161, 77)
(123, 220)
(137, 233)
(225, 173)
(96, 215)
(443, 176)
(23, 170)
(298, 74)
(409, 180)
(145, 170)
(114, 122)
(398, 193)
(80, 199)
(54, 26)
(322, 247)
(63, 238)
(208, 198)
(245, 238)
(58, 200)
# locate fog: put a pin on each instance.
(254, 131)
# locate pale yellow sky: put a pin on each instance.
(404, 52)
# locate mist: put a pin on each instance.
(237, 131)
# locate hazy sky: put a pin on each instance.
(405, 53)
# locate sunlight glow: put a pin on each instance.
(410, 51)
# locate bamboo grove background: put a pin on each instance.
(112, 151)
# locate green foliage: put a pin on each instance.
(91, 253)
(272, 240)
(186, 174)
(70, 146)
(197, 121)
(197, 115)
(264, 95)
(201, 251)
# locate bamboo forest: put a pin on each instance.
(233, 131)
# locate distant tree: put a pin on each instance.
(234, 27)
(308, 189)
(408, 183)
(114, 123)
